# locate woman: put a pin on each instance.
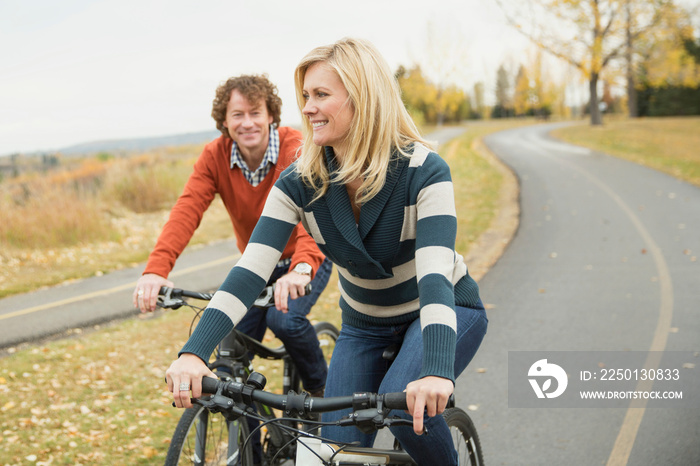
(380, 205)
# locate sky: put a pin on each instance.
(75, 71)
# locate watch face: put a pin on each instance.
(303, 268)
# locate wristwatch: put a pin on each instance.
(303, 268)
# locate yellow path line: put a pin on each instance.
(126, 286)
(619, 456)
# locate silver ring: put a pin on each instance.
(139, 292)
(184, 387)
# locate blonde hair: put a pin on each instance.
(380, 121)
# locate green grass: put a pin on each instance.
(671, 145)
(99, 397)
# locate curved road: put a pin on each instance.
(604, 259)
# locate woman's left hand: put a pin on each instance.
(431, 393)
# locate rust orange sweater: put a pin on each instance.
(212, 175)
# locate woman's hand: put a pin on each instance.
(431, 393)
(147, 289)
(289, 286)
(187, 370)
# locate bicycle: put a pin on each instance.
(201, 436)
(370, 411)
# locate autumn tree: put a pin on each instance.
(479, 107)
(428, 103)
(504, 94)
(668, 76)
(417, 93)
(521, 98)
(588, 34)
(692, 47)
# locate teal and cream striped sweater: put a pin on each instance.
(396, 265)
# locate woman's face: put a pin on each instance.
(327, 107)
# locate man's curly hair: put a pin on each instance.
(253, 88)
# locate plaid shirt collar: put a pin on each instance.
(269, 159)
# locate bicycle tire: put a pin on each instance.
(464, 436)
(327, 334)
(183, 446)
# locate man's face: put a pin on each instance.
(248, 124)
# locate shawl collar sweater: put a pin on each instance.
(395, 265)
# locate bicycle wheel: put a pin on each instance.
(464, 436)
(207, 439)
(327, 335)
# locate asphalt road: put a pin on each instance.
(604, 259)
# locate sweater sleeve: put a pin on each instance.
(186, 215)
(436, 230)
(250, 274)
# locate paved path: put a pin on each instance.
(604, 259)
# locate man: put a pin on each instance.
(241, 166)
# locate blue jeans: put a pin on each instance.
(293, 328)
(357, 366)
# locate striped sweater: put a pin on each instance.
(395, 265)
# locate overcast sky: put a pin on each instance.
(74, 71)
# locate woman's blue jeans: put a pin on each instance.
(357, 366)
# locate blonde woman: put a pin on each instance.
(380, 205)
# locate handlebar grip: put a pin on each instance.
(209, 384)
(395, 400)
(398, 401)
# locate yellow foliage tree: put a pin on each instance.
(521, 98)
(588, 34)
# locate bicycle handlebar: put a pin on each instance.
(303, 403)
(172, 298)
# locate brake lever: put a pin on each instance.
(166, 301)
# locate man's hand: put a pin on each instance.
(431, 393)
(289, 286)
(146, 291)
(186, 374)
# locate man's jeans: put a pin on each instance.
(357, 366)
(293, 328)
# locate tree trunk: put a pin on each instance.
(631, 96)
(631, 89)
(596, 118)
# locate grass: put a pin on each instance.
(666, 144)
(99, 397)
(92, 217)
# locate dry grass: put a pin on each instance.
(666, 144)
(92, 217)
(98, 398)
